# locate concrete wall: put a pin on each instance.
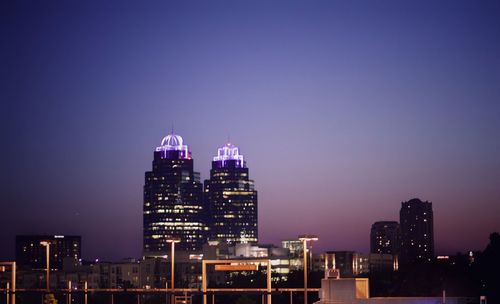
(355, 291)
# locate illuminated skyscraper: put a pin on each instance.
(385, 237)
(173, 205)
(231, 198)
(417, 232)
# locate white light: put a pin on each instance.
(229, 152)
(173, 142)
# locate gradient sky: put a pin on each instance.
(343, 109)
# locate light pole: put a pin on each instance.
(11, 288)
(172, 241)
(47, 253)
(305, 239)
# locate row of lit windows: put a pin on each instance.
(220, 174)
(178, 207)
(171, 211)
(170, 228)
(184, 224)
(160, 220)
(233, 224)
(222, 204)
(221, 198)
(181, 228)
(244, 213)
(240, 183)
(234, 216)
(238, 192)
(161, 236)
(165, 235)
(236, 238)
(177, 224)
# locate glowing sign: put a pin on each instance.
(247, 267)
(229, 152)
(196, 257)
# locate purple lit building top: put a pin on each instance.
(173, 143)
(229, 153)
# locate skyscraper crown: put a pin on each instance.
(229, 152)
(174, 142)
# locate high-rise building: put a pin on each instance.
(417, 233)
(231, 198)
(173, 205)
(385, 237)
(31, 253)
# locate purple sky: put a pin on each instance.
(342, 109)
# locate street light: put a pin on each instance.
(305, 239)
(47, 253)
(172, 241)
(11, 288)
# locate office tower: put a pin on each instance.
(417, 233)
(385, 237)
(173, 206)
(231, 198)
(31, 253)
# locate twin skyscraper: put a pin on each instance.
(178, 206)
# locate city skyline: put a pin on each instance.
(344, 110)
(187, 155)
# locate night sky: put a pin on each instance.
(342, 109)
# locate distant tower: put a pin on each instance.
(231, 198)
(385, 237)
(417, 233)
(173, 206)
(30, 253)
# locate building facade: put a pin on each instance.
(231, 198)
(385, 237)
(357, 291)
(173, 204)
(350, 263)
(31, 253)
(417, 232)
(296, 253)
